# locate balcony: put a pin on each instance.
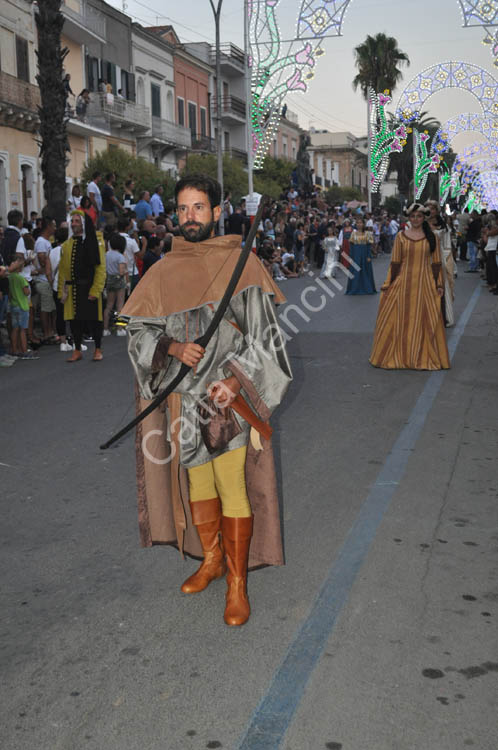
(81, 24)
(169, 133)
(121, 113)
(233, 110)
(203, 143)
(232, 59)
(92, 122)
(19, 102)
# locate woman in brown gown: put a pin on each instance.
(410, 332)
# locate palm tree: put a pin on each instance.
(54, 143)
(377, 59)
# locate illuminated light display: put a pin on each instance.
(447, 181)
(425, 163)
(452, 74)
(491, 41)
(383, 139)
(484, 124)
(479, 12)
(486, 185)
(280, 67)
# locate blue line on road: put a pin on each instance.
(275, 712)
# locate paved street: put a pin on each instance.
(381, 630)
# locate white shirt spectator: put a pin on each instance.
(92, 187)
(29, 257)
(75, 200)
(130, 252)
(156, 204)
(42, 246)
(55, 259)
(393, 227)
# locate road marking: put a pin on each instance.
(272, 718)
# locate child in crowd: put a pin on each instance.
(332, 251)
(19, 292)
(117, 278)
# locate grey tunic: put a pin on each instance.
(257, 349)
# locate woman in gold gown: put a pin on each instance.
(410, 332)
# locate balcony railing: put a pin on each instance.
(19, 93)
(231, 106)
(77, 11)
(126, 114)
(230, 56)
(172, 133)
(203, 143)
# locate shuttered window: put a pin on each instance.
(155, 93)
(22, 58)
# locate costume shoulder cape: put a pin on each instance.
(193, 275)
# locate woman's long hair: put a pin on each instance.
(431, 237)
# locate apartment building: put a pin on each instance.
(20, 177)
(286, 142)
(233, 94)
(339, 159)
(166, 142)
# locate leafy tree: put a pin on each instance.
(54, 144)
(273, 178)
(126, 166)
(393, 205)
(377, 60)
(336, 195)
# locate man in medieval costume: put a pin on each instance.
(206, 478)
(82, 275)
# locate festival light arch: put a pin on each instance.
(476, 151)
(452, 74)
(484, 124)
(487, 185)
(479, 12)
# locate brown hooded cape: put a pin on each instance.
(163, 509)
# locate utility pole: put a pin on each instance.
(247, 74)
(369, 157)
(219, 134)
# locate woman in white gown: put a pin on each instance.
(332, 250)
(441, 230)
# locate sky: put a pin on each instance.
(428, 31)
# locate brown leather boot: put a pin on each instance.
(75, 356)
(206, 516)
(237, 533)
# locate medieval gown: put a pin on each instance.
(360, 251)
(410, 333)
(448, 271)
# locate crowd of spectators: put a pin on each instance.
(293, 237)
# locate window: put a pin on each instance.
(22, 58)
(92, 71)
(226, 140)
(284, 147)
(203, 121)
(155, 95)
(109, 74)
(192, 118)
(181, 112)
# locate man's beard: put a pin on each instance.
(193, 231)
